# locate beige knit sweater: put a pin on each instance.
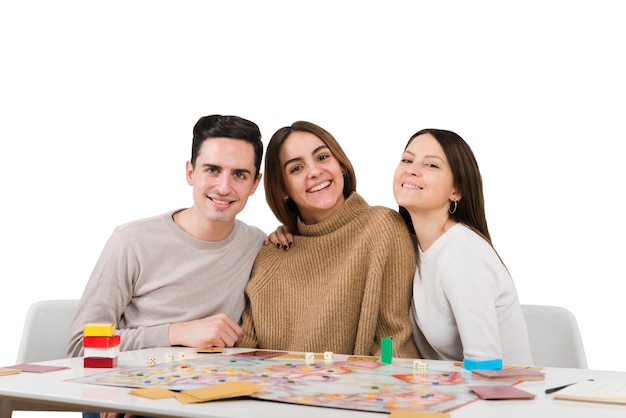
(345, 284)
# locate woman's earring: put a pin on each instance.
(285, 198)
(450, 209)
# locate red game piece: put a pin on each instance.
(101, 342)
(104, 362)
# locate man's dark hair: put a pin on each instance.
(219, 126)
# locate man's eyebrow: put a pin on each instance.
(315, 151)
(212, 166)
(219, 167)
(241, 170)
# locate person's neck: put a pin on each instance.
(429, 227)
(195, 224)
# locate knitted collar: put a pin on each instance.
(350, 210)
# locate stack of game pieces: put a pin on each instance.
(101, 345)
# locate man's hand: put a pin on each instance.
(213, 331)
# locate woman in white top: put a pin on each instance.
(465, 302)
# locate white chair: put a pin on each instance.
(555, 339)
(46, 330)
(45, 336)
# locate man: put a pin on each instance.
(178, 279)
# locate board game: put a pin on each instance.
(351, 383)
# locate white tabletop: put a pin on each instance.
(53, 388)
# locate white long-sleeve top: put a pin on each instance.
(465, 303)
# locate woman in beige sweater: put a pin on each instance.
(346, 282)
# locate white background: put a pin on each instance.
(98, 100)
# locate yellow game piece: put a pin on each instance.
(300, 355)
(99, 330)
(5, 371)
(219, 391)
(153, 393)
(210, 350)
(362, 358)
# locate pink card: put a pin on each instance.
(493, 392)
(36, 368)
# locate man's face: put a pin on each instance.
(223, 178)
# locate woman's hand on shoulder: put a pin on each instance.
(281, 238)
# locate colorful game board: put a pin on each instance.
(347, 384)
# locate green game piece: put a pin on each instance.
(386, 350)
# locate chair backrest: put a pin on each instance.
(555, 339)
(46, 330)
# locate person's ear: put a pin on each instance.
(189, 173)
(456, 196)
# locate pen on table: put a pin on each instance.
(556, 389)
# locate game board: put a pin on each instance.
(347, 384)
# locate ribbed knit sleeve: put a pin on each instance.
(344, 285)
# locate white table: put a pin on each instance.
(51, 390)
